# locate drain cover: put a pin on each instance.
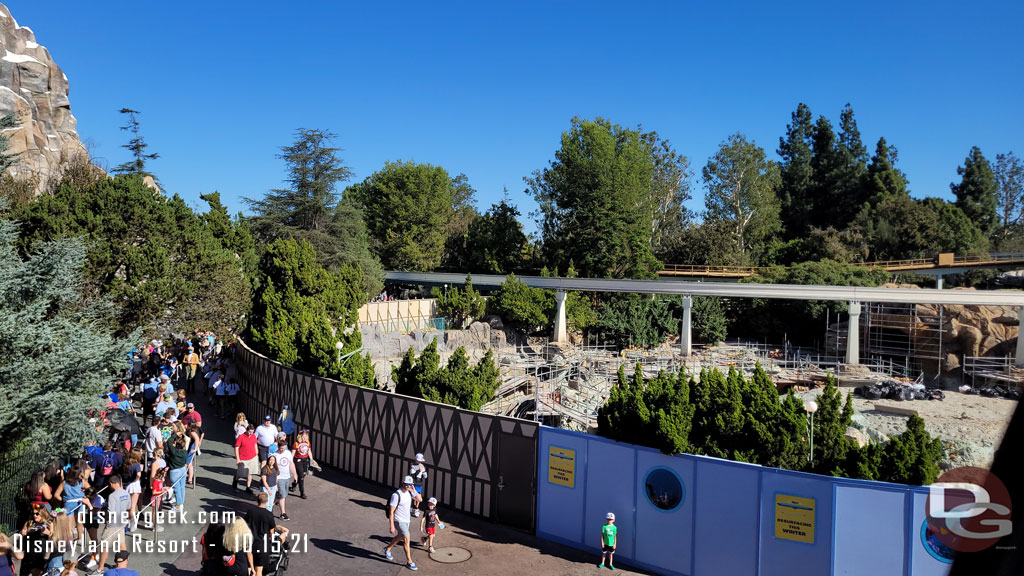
(451, 555)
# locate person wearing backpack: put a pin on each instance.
(106, 463)
(398, 508)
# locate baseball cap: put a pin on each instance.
(432, 500)
(610, 516)
(267, 418)
(190, 405)
(407, 481)
(121, 556)
(165, 377)
(419, 458)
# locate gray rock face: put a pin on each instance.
(33, 87)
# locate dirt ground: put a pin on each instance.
(970, 426)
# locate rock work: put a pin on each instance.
(33, 87)
(387, 348)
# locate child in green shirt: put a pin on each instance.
(609, 537)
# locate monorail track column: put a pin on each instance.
(560, 317)
(853, 334)
(686, 331)
(1018, 360)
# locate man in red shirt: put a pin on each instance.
(246, 458)
(191, 415)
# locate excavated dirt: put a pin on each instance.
(970, 426)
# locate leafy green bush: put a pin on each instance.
(459, 304)
(635, 320)
(520, 307)
(709, 323)
(301, 311)
(744, 419)
(457, 384)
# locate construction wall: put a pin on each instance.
(727, 514)
(401, 315)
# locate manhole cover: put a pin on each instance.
(451, 555)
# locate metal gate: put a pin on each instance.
(517, 480)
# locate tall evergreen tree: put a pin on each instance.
(305, 209)
(1010, 177)
(57, 348)
(827, 164)
(883, 179)
(977, 192)
(796, 174)
(309, 209)
(741, 193)
(137, 146)
(854, 157)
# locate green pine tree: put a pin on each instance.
(976, 194)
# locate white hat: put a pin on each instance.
(610, 516)
(432, 500)
(407, 480)
(420, 458)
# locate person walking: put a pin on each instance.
(117, 515)
(266, 434)
(241, 424)
(286, 471)
(609, 538)
(264, 531)
(246, 458)
(430, 523)
(286, 422)
(418, 471)
(399, 506)
(191, 365)
(303, 460)
(268, 480)
(177, 458)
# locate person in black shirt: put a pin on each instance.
(264, 531)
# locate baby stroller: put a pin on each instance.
(278, 561)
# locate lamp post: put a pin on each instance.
(811, 407)
(338, 346)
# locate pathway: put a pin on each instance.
(343, 529)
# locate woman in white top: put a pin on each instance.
(240, 424)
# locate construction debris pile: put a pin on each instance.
(897, 390)
(997, 391)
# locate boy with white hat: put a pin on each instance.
(429, 524)
(609, 538)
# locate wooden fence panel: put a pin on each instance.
(374, 435)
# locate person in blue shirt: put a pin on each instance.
(121, 566)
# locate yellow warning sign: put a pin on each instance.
(794, 518)
(562, 466)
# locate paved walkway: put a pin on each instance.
(344, 531)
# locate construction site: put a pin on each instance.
(963, 350)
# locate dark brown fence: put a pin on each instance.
(476, 463)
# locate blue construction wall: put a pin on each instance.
(723, 521)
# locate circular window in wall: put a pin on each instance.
(664, 489)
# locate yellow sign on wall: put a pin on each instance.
(562, 466)
(794, 518)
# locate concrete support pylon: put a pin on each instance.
(1018, 360)
(686, 331)
(560, 329)
(853, 334)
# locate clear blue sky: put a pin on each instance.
(487, 88)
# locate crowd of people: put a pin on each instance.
(152, 435)
(75, 514)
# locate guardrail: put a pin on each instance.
(910, 264)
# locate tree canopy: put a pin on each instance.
(597, 202)
(458, 383)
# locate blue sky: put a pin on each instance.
(487, 88)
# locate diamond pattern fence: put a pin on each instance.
(375, 435)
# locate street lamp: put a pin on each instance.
(338, 346)
(811, 407)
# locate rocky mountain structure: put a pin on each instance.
(33, 87)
